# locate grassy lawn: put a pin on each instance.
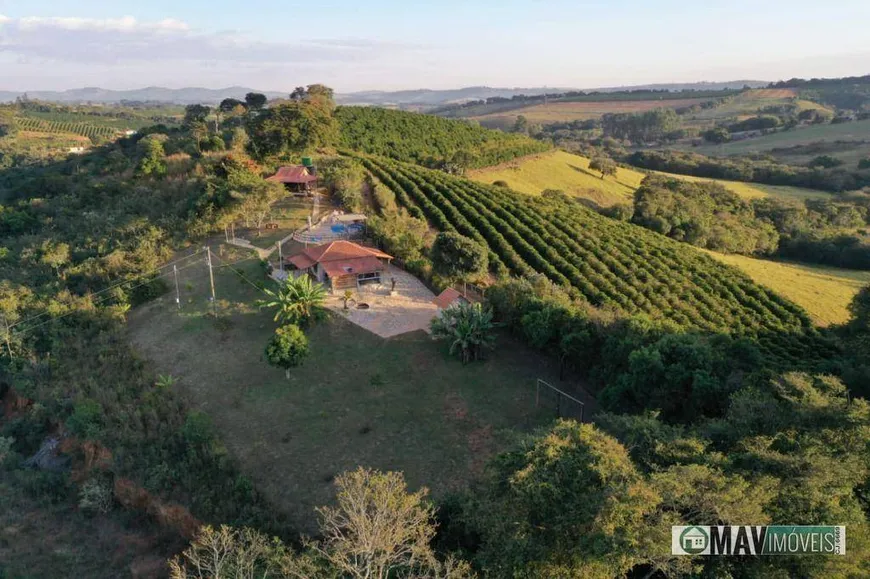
(759, 190)
(400, 403)
(825, 292)
(571, 173)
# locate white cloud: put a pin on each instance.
(126, 40)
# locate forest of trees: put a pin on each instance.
(826, 231)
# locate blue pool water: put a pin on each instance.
(342, 228)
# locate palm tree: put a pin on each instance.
(297, 300)
(467, 327)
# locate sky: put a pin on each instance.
(393, 44)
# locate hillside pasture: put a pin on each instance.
(564, 171)
(779, 143)
(746, 104)
(358, 400)
(570, 173)
(567, 111)
(824, 292)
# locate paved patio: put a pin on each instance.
(409, 310)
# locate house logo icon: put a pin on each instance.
(694, 540)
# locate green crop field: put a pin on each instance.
(607, 261)
(571, 174)
(857, 132)
(824, 292)
(84, 129)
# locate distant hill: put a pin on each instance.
(191, 95)
(412, 98)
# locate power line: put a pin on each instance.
(98, 302)
(238, 273)
(119, 284)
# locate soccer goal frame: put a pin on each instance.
(560, 395)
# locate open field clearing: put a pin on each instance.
(824, 292)
(565, 111)
(394, 404)
(565, 171)
(571, 174)
(854, 131)
(759, 190)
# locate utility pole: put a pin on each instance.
(280, 258)
(211, 279)
(177, 293)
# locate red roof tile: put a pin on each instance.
(293, 174)
(338, 250)
(335, 251)
(353, 266)
(447, 298)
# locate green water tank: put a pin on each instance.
(307, 162)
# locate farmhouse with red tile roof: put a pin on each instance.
(342, 264)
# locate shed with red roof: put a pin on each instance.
(297, 178)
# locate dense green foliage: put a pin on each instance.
(608, 263)
(598, 501)
(647, 127)
(708, 215)
(703, 214)
(343, 178)
(457, 257)
(81, 242)
(300, 126)
(428, 140)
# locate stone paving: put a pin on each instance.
(410, 309)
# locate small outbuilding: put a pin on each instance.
(296, 178)
(447, 298)
(342, 264)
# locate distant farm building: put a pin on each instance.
(296, 178)
(341, 264)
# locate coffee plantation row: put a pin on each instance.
(91, 131)
(610, 263)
